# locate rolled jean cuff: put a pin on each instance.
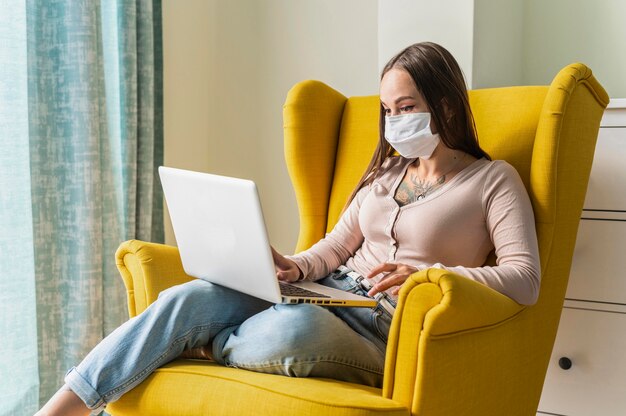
(84, 391)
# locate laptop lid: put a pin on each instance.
(220, 231)
(222, 238)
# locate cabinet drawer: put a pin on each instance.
(594, 341)
(598, 268)
(608, 176)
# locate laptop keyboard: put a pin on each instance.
(291, 290)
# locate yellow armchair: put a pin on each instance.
(456, 347)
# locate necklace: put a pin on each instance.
(420, 188)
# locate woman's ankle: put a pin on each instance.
(64, 403)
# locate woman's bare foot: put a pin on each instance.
(64, 403)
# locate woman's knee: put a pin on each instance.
(201, 298)
(297, 323)
(279, 331)
(186, 294)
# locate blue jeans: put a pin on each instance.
(245, 332)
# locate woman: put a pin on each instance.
(441, 203)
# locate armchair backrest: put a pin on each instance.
(548, 133)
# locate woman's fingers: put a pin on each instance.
(279, 259)
(291, 275)
(283, 275)
(381, 268)
(286, 269)
(390, 280)
(396, 276)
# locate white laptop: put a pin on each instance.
(221, 236)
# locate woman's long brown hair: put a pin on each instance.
(439, 79)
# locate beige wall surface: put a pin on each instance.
(187, 71)
(513, 42)
(559, 32)
(447, 22)
(498, 43)
(228, 66)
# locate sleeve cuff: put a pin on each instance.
(301, 263)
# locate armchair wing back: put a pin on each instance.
(456, 347)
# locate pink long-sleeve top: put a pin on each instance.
(483, 208)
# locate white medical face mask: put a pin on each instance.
(410, 135)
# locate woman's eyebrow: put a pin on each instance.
(404, 97)
(397, 100)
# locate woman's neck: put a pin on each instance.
(441, 161)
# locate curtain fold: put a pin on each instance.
(18, 314)
(81, 137)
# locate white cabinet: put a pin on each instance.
(587, 371)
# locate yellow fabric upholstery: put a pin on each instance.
(175, 389)
(456, 347)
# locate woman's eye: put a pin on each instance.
(407, 108)
(387, 111)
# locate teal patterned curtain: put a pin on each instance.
(81, 137)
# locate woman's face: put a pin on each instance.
(398, 94)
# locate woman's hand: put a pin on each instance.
(286, 269)
(395, 275)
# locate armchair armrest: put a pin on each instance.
(438, 304)
(147, 270)
(465, 304)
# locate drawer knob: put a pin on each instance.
(565, 363)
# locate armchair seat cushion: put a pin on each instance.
(203, 388)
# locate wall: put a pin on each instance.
(498, 31)
(228, 68)
(447, 22)
(188, 43)
(513, 42)
(559, 32)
